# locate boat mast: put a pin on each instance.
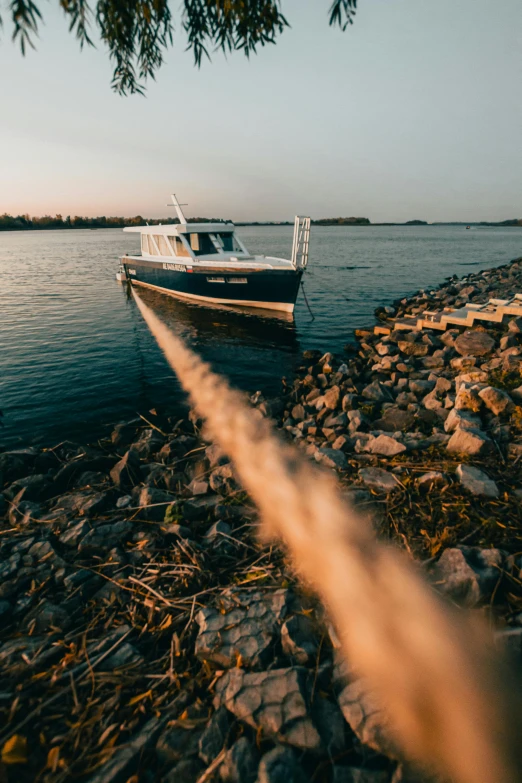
(177, 206)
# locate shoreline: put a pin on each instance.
(121, 560)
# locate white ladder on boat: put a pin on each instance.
(301, 242)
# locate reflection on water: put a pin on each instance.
(75, 354)
(221, 324)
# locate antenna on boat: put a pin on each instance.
(177, 206)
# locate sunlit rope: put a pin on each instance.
(431, 668)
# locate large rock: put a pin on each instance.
(215, 735)
(245, 625)
(385, 446)
(104, 537)
(366, 718)
(241, 763)
(467, 399)
(376, 392)
(379, 480)
(473, 343)
(331, 458)
(496, 400)
(412, 349)
(332, 398)
(431, 480)
(280, 765)
(472, 442)
(476, 481)
(394, 419)
(463, 420)
(275, 702)
(468, 575)
(154, 503)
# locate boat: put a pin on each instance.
(467, 227)
(208, 263)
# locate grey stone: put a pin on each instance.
(376, 392)
(412, 349)
(280, 765)
(471, 442)
(217, 534)
(431, 480)
(154, 503)
(200, 508)
(496, 400)
(74, 533)
(105, 537)
(37, 488)
(379, 480)
(240, 763)
(463, 420)
(214, 736)
(467, 399)
(366, 718)
(421, 387)
(150, 442)
(395, 420)
(468, 575)
(179, 740)
(126, 473)
(476, 481)
(276, 702)
(357, 422)
(245, 625)
(299, 639)
(85, 582)
(331, 458)
(386, 446)
(474, 343)
(46, 617)
(332, 398)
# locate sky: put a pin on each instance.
(413, 113)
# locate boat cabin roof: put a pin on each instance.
(183, 228)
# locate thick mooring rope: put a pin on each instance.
(431, 668)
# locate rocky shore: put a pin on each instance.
(147, 635)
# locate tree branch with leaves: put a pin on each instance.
(137, 33)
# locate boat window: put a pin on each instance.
(179, 247)
(162, 244)
(145, 244)
(202, 244)
(229, 243)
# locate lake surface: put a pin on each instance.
(75, 355)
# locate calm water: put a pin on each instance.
(75, 355)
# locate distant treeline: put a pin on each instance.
(27, 223)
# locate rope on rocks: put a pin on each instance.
(442, 687)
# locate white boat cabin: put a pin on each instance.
(211, 244)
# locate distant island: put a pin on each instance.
(27, 223)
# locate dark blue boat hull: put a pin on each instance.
(273, 289)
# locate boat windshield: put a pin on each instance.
(203, 244)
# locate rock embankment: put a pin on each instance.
(148, 636)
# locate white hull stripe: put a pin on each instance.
(285, 307)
